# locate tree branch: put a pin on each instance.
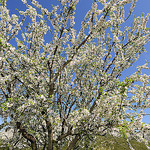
(27, 136)
(73, 142)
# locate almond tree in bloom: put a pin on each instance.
(62, 92)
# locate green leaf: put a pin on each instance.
(101, 90)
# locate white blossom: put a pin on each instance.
(63, 81)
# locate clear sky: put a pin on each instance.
(82, 7)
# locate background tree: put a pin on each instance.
(61, 92)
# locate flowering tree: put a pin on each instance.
(61, 92)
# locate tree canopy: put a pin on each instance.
(63, 91)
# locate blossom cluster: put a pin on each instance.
(71, 79)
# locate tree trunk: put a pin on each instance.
(50, 135)
(27, 136)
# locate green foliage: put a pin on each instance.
(124, 84)
(101, 90)
(109, 142)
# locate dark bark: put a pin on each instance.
(27, 136)
(50, 135)
(65, 135)
(51, 89)
(94, 103)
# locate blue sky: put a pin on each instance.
(82, 7)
